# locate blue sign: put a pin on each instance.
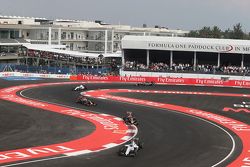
(21, 78)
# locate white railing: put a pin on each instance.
(182, 75)
(36, 75)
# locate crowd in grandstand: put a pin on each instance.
(49, 62)
(64, 57)
(180, 67)
(132, 65)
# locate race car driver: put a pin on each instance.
(80, 87)
(131, 147)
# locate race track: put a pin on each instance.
(171, 138)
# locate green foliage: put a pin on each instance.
(216, 32)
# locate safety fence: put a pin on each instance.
(166, 80)
(55, 70)
(35, 75)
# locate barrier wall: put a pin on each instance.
(54, 70)
(160, 80)
(183, 75)
(35, 75)
(167, 80)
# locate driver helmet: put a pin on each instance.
(129, 114)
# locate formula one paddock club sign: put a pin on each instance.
(223, 48)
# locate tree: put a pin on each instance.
(193, 33)
(227, 34)
(205, 32)
(216, 32)
(238, 32)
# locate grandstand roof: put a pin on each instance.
(59, 50)
(11, 42)
(186, 44)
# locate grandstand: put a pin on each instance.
(50, 59)
(141, 55)
(163, 55)
(73, 46)
(38, 44)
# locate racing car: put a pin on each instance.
(145, 83)
(131, 149)
(79, 88)
(83, 100)
(129, 119)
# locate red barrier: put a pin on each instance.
(168, 80)
(73, 77)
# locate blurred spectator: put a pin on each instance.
(180, 67)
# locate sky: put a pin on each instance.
(173, 14)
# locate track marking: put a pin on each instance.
(105, 115)
(82, 109)
(34, 161)
(126, 138)
(110, 145)
(193, 116)
(241, 129)
(118, 119)
(231, 137)
(9, 94)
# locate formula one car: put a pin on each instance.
(129, 119)
(83, 100)
(80, 88)
(145, 83)
(131, 149)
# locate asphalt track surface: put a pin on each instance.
(171, 139)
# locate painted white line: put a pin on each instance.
(231, 137)
(118, 119)
(110, 145)
(102, 98)
(72, 107)
(65, 156)
(29, 162)
(233, 147)
(131, 131)
(126, 138)
(78, 153)
(105, 115)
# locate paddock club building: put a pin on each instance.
(182, 50)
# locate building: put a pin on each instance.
(182, 54)
(72, 44)
(76, 35)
